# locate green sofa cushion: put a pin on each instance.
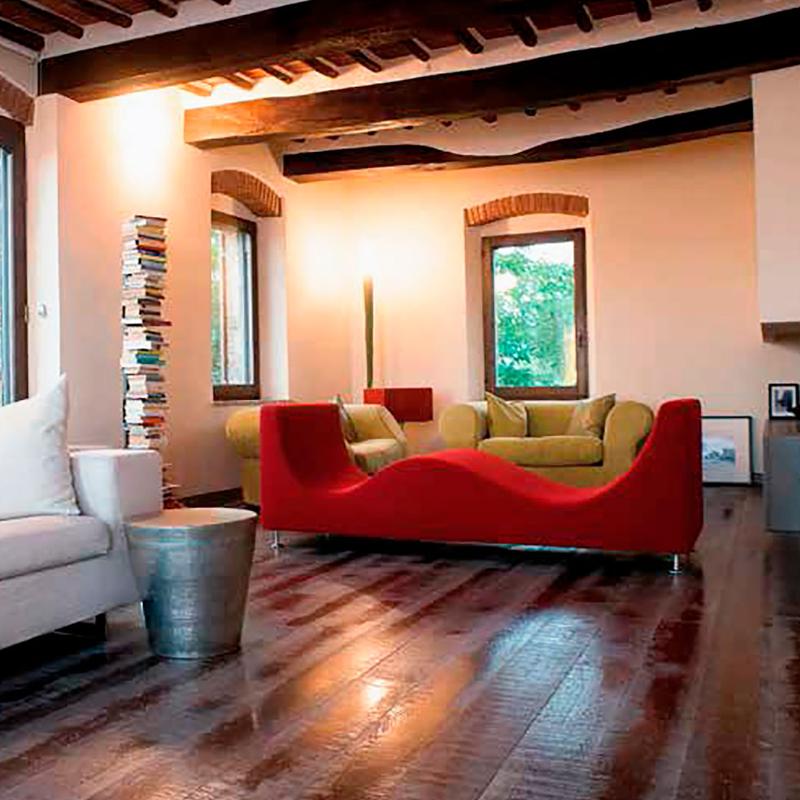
(506, 418)
(589, 416)
(546, 451)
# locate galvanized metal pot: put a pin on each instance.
(192, 566)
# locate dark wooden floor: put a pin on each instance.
(379, 671)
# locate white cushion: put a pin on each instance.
(35, 543)
(35, 475)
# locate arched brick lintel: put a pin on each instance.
(17, 103)
(248, 190)
(522, 204)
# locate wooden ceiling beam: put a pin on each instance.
(525, 30)
(687, 126)
(322, 67)
(644, 10)
(469, 41)
(583, 18)
(48, 17)
(278, 72)
(291, 32)
(199, 89)
(366, 60)
(237, 79)
(417, 49)
(165, 9)
(690, 56)
(102, 12)
(22, 36)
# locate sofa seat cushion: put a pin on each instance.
(374, 454)
(546, 451)
(30, 544)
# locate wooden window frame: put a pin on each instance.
(245, 391)
(12, 138)
(581, 389)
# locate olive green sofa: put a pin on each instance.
(546, 449)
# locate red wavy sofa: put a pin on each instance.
(309, 484)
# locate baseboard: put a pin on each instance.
(222, 497)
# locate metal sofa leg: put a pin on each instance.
(276, 540)
(678, 563)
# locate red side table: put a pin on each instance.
(406, 405)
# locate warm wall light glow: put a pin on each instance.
(368, 254)
(144, 127)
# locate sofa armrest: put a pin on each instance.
(627, 426)
(117, 485)
(464, 425)
(375, 422)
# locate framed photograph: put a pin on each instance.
(728, 450)
(783, 397)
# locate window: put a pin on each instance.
(234, 308)
(534, 290)
(13, 328)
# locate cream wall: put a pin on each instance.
(674, 308)
(44, 329)
(776, 103)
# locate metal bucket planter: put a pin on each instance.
(192, 566)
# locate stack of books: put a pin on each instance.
(144, 346)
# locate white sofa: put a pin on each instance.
(57, 570)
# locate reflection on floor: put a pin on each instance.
(373, 670)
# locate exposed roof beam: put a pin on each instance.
(644, 10)
(525, 30)
(366, 60)
(417, 49)
(19, 35)
(291, 32)
(242, 81)
(583, 18)
(672, 129)
(322, 67)
(694, 55)
(278, 72)
(469, 41)
(165, 9)
(200, 89)
(104, 13)
(48, 17)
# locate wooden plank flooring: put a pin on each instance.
(375, 670)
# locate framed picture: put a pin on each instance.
(783, 397)
(728, 450)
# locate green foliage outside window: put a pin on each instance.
(217, 366)
(534, 319)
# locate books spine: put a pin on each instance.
(144, 264)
